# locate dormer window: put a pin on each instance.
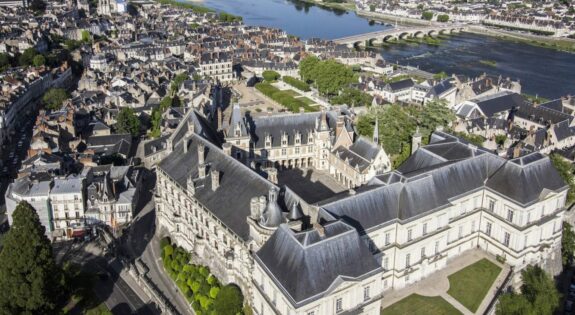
(284, 139)
(268, 141)
(297, 138)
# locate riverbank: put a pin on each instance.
(393, 19)
(559, 44)
(345, 6)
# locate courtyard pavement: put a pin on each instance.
(437, 284)
(310, 184)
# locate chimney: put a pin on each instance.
(215, 179)
(517, 151)
(227, 147)
(273, 175)
(201, 152)
(320, 229)
(219, 117)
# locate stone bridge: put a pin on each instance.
(398, 33)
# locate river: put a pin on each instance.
(544, 72)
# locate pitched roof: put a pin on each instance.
(305, 265)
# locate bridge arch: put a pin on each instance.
(419, 34)
(432, 33)
(404, 35)
(389, 38)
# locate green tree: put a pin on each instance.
(270, 75)
(513, 304)
(4, 61)
(565, 169)
(427, 15)
(85, 36)
(372, 8)
(229, 300)
(567, 243)
(443, 18)
(434, 114)
(352, 97)
(27, 57)
(54, 98)
(178, 81)
(128, 122)
(307, 66)
(440, 75)
(31, 281)
(39, 61)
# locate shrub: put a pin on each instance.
(168, 251)
(298, 84)
(165, 241)
(427, 15)
(214, 292)
(270, 76)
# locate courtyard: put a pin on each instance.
(465, 286)
(310, 184)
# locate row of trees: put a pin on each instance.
(401, 123)
(282, 97)
(298, 84)
(202, 289)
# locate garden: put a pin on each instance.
(201, 288)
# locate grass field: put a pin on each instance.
(306, 100)
(291, 93)
(421, 305)
(470, 284)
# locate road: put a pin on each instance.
(143, 243)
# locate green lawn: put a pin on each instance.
(291, 93)
(470, 284)
(421, 305)
(306, 100)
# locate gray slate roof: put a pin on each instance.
(305, 264)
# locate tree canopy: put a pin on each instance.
(31, 281)
(398, 123)
(567, 243)
(270, 75)
(54, 98)
(427, 15)
(329, 76)
(39, 61)
(27, 57)
(128, 122)
(229, 300)
(565, 169)
(538, 295)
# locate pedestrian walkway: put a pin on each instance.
(437, 284)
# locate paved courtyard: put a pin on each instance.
(437, 284)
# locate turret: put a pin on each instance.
(415, 141)
(272, 215)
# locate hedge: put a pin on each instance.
(298, 84)
(283, 98)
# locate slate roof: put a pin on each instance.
(499, 102)
(230, 202)
(542, 114)
(400, 85)
(445, 169)
(276, 125)
(440, 88)
(306, 265)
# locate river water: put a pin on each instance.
(541, 71)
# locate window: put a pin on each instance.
(409, 235)
(311, 313)
(407, 262)
(460, 235)
(506, 237)
(338, 305)
(488, 228)
(386, 263)
(509, 215)
(422, 252)
(387, 238)
(528, 217)
(491, 205)
(473, 226)
(366, 293)
(424, 228)
(284, 151)
(297, 150)
(436, 247)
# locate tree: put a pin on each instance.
(440, 75)
(270, 76)
(306, 67)
(85, 36)
(31, 281)
(352, 97)
(372, 8)
(128, 122)
(27, 57)
(54, 98)
(178, 81)
(229, 300)
(434, 114)
(567, 243)
(538, 295)
(443, 18)
(5, 61)
(565, 170)
(39, 61)
(427, 15)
